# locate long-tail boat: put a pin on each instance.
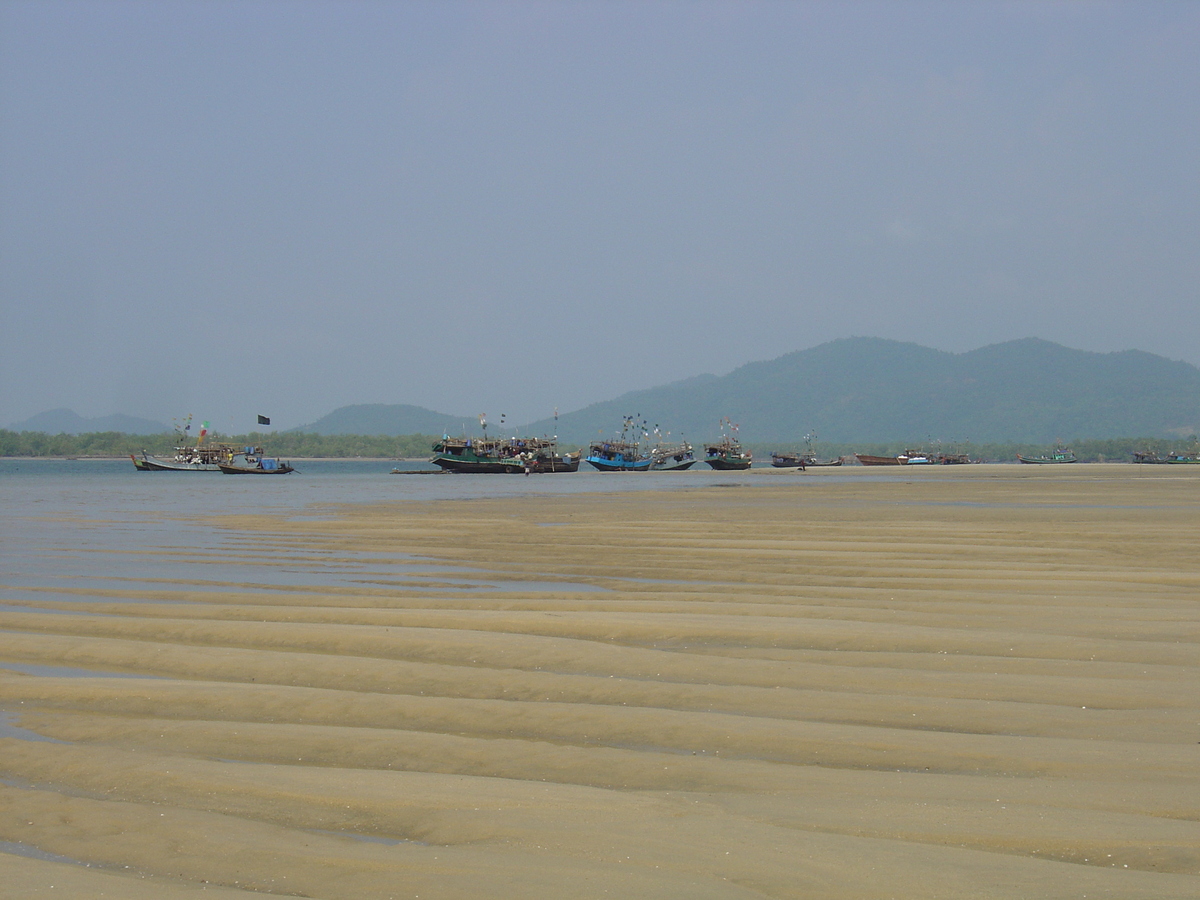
(253, 462)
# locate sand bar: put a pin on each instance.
(976, 682)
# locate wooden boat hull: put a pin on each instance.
(502, 456)
(619, 465)
(785, 461)
(568, 463)
(726, 464)
(1045, 460)
(229, 469)
(867, 460)
(619, 455)
(153, 464)
(727, 455)
(672, 466)
(672, 458)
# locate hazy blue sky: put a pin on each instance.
(226, 208)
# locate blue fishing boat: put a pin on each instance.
(620, 454)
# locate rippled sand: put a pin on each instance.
(977, 682)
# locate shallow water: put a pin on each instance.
(981, 680)
(72, 526)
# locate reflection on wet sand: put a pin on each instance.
(981, 685)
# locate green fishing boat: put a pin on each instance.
(727, 454)
(1060, 455)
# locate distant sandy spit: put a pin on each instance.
(970, 683)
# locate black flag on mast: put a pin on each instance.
(263, 420)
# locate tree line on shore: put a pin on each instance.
(293, 445)
(304, 445)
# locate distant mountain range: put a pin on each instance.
(867, 390)
(65, 421)
(875, 390)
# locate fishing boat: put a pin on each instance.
(1176, 458)
(803, 460)
(727, 453)
(673, 458)
(868, 460)
(914, 458)
(510, 456)
(618, 456)
(953, 459)
(1147, 456)
(253, 462)
(1060, 455)
(186, 459)
(198, 457)
(621, 454)
(788, 460)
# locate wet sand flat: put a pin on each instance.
(977, 681)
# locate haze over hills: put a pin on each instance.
(873, 390)
(66, 421)
(866, 390)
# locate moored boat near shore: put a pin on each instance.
(618, 456)
(198, 457)
(186, 459)
(253, 462)
(914, 458)
(954, 459)
(512, 456)
(673, 458)
(1172, 458)
(788, 461)
(621, 454)
(727, 453)
(865, 459)
(1060, 455)
(804, 460)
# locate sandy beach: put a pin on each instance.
(978, 681)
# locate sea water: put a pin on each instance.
(71, 526)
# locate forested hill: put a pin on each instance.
(850, 391)
(873, 390)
